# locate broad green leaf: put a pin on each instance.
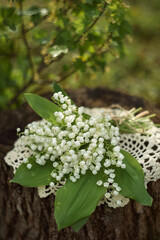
(131, 180)
(76, 201)
(42, 107)
(79, 224)
(36, 176)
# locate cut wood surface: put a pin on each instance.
(24, 216)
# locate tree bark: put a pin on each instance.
(24, 216)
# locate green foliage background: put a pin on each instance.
(139, 71)
(79, 43)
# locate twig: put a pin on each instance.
(92, 24)
(43, 65)
(35, 25)
(25, 41)
(78, 40)
(14, 99)
(67, 75)
(62, 78)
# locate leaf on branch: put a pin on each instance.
(56, 50)
(36, 13)
(10, 17)
(79, 64)
(35, 10)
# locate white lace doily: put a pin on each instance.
(145, 148)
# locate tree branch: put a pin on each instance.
(35, 25)
(62, 78)
(92, 24)
(67, 75)
(25, 41)
(42, 65)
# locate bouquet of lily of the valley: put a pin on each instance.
(81, 153)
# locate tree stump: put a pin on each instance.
(24, 216)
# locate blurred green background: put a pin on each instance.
(46, 41)
(138, 72)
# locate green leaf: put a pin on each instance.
(7, 12)
(79, 224)
(42, 107)
(36, 176)
(57, 88)
(36, 13)
(10, 17)
(76, 201)
(79, 64)
(131, 180)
